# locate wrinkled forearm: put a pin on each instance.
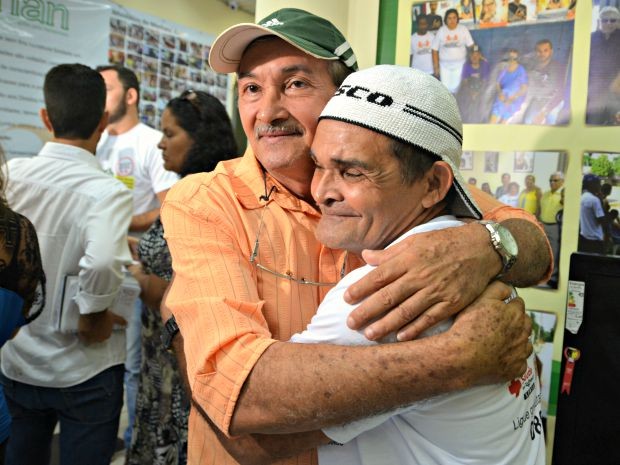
(266, 449)
(305, 387)
(534, 259)
(534, 263)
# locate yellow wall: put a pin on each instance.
(210, 16)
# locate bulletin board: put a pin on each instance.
(167, 58)
(35, 36)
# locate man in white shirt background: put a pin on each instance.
(81, 215)
(128, 149)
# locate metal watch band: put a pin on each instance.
(507, 258)
(169, 331)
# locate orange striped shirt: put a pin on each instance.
(229, 310)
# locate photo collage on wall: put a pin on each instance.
(506, 62)
(603, 106)
(599, 225)
(166, 65)
(533, 181)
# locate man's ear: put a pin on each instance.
(438, 181)
(46, 120)
(131, 96)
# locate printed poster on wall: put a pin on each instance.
(34, 37)
(533, 181)
(599, 222)
(167, 58)
(604, 78)
(506, 62)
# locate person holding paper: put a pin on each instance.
(81, 216)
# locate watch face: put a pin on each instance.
(508, 241)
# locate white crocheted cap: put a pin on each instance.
(410, 106)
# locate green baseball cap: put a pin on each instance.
(309, 33)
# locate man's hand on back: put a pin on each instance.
(494, 336)
(425, 279)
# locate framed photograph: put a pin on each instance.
(467, 161)
(514, 57)
(543, 334)
(603, 107)
(490, 162)
(524, 162)
(601, 181)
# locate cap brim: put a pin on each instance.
(464, 204)
(228, 47)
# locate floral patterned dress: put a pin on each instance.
(162, 407)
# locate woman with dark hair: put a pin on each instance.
(22, 283)
(197, 136)
(450, 50)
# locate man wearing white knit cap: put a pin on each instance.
(391, 137)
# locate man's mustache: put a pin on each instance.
(286, 128)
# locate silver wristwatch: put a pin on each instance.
(504, 244)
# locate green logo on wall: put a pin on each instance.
(44, 12)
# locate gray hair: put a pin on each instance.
(559, 174)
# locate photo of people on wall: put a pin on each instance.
(603, 107)
(599, 224)
(506, 63)
(533, 181)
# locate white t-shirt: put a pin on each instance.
(421, 52)
(492, 425)
(508, 199)
(134, 159)
(452, 44)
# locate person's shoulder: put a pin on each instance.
(148, 134)
(19, 163)
(145, 129)
(100, 185)
(24, 223)
(556, 66)
(204, 185)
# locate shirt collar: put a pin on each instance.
(252, 183)
(69, 153)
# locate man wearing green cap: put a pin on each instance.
(250, 272)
